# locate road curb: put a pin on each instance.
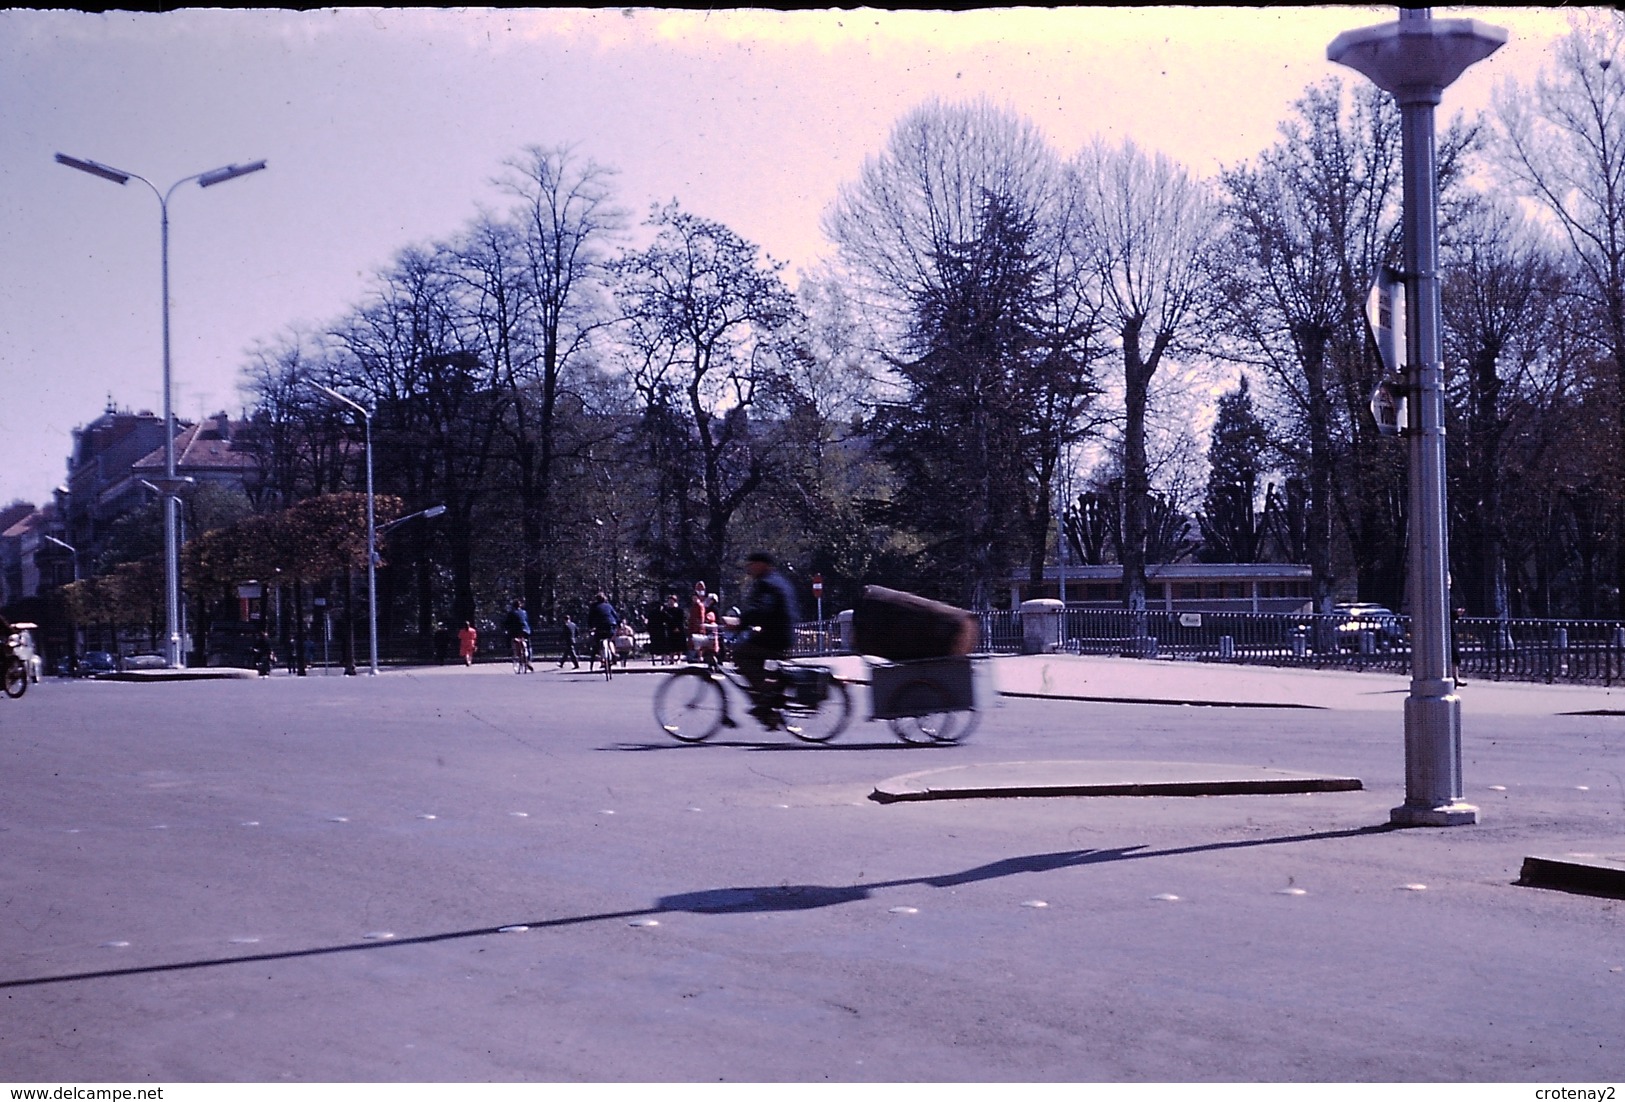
(1581, 873)
(1103, 778)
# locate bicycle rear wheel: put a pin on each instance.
(823, 721)
(690, 705)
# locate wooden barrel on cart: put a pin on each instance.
(889, 623)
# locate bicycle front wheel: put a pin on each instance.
(690, 706)
(16, 682)
(823, 721)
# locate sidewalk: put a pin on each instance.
(1213, 684)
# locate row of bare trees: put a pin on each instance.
(1005, 334)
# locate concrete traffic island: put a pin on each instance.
(1102, 778)
(1585, 873)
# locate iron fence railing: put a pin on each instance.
(1579, 651)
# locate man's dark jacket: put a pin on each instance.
(770, 607)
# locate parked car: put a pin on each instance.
(1384, 624)
(93, 662)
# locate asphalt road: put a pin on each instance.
(468, 875)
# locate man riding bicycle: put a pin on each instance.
(768, 618)
(517, 626)
(602, 620)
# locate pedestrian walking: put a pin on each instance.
(570, 655)
(264, 655)
(467, 639)
(669, 622)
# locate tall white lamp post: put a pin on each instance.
(372, 534)
(172, 570)
(1414, 60)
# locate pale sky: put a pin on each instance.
(384, 127)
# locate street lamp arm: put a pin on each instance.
(95, 168)
(229, 172)
(337, 397)
(426, 514)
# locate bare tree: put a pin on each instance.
(1561, 141)
(565, 219)
(963, 224)
(706, 323)
(1155, 224)
(925, 194)
(1307, 227)
(1502, 312)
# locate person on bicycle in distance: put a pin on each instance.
(602, 620)
(517, 626)
(768, 618)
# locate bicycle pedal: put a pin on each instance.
(728, 722)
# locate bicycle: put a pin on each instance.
(691, 704)
(607, 656)
(15, 682)
(521, 655)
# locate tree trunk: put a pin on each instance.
(1136, 478)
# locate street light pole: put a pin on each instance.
(73, 627)
(372, 535)
(1414, 60)
(172, 570)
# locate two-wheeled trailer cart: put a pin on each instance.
(926, 699)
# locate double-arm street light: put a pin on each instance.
(372, 534)
(68, 547)
(170, 484)
(1415, 60)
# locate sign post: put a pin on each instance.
(1385, 313)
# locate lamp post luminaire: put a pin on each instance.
(372, 534)
(1414, 60)
(172, 643)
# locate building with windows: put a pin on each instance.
(1177, 587)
